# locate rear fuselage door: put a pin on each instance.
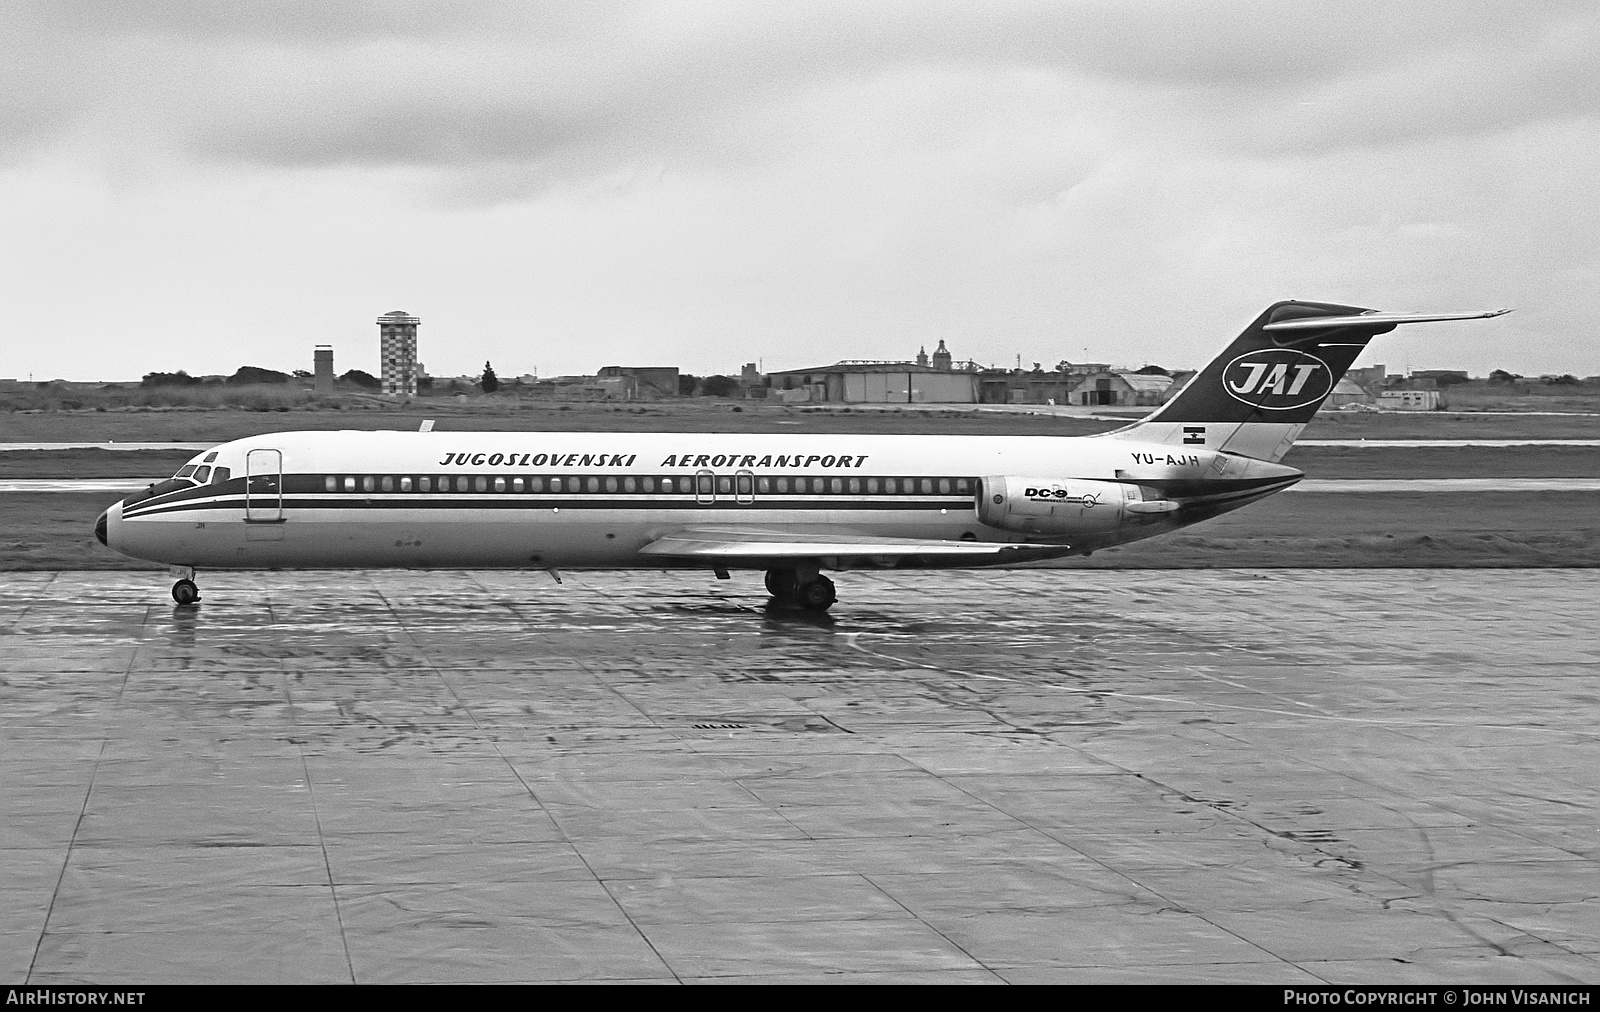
(263, 487)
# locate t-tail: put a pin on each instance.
(1257, 396)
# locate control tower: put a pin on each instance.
(398, 333)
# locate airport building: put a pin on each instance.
(1120, 389)
(856, 381)
(638, 382)
(398, 336)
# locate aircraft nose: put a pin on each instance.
(100, 527)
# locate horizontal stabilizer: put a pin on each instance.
(1377, 320)
(756, 543)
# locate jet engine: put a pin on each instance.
(1067, 507)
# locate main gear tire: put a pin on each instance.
(818, 595)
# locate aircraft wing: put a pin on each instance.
(721, 543)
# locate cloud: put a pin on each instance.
(679, 182)
(586, 88)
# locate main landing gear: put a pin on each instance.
(185, 591)
(811, 591)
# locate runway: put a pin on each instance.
(1260, 776)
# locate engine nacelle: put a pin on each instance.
(1059, 507)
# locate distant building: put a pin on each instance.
(1409, 400)
(1119, 389)
(633, 383)
(398, 336)
(1371, 379)
(1348, 391)
(851, 382)
(322, 373)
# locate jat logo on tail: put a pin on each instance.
(1277, 379)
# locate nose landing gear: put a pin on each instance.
(185, 591)
(811, 591)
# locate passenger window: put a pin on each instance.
(891, 486)
(611, 484)
(649, 484)
(516, 484)
(424, 484)
(405, 483)
(535, 484)
(555, 484)
(837, 485)
(368, 484)
(349, 483)
(724, 485)
(330, 484)
(202, 474)
(220, 475)
(872, 486)
(963, 486)
(746, 484)
(499, 484)
(593, 484)
(388, 483)
(783, 484)
(481, 483)
(763, 485)
(855, 485)
(666, 484)
(629, 485)
(944, 486)
(927, 485)
(819, 485)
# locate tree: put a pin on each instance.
(1501, 376)
(249, 375)
(686, 384)
(1151, 370)
(359, 378)
(719, 386)
(168, 379)
(490, 382)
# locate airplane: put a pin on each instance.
(794, 505)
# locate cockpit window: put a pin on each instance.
(159, 488)
(211, 456)
(185, 471)
(202, 474)
(220, 475)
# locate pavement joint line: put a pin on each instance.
(1374, 721)
(1227, 812)
(494, 744)
(83, 810)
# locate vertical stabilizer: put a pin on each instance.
(1257, 396)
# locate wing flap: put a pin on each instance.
(755, 543)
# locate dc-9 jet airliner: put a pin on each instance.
(794, 505)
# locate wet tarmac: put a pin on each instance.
(1260, 776)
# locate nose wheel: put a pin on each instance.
(815, 594)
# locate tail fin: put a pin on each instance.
(1257, 396)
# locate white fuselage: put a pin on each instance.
(577, 500)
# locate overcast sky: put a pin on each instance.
(564, 186)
